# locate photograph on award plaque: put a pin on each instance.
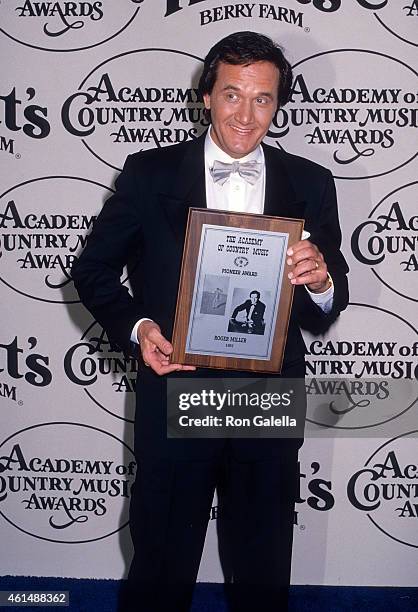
(234, 297)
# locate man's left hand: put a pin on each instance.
(309, 267)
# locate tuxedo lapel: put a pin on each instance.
(190, 181)
(187, 189)
(280, 197)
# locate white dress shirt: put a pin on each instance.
(237, 195)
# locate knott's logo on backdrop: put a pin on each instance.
(396, 17)
(387, 241)
(21, 114)
(65, 482)
(21, 365)
(106, 376)
(44, 225)
(325, 6)
(386, 489)
(136, 101)
(347, 115)
(66, 26)
(252, 11)
(363, 373)
(313, 491)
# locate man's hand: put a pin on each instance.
(156, 349)
(309, 267)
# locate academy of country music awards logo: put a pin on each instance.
(53, 492)
(134, 101)
(359, 377)
(105, 375)
(355, 111)
(385, 489)
(129, 102)
(44, 224)
(54, 487)
(65, 482)
(387, 241)
(363, 373)
(66, 26)
(343, 112)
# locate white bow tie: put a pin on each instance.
(250, 171)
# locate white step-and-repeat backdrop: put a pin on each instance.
(82, 85)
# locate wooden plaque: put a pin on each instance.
(234, 297)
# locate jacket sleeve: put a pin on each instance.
(238, 309)
(115, 238)
(327, 236)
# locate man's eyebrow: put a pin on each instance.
(229, 86)
(267, 94)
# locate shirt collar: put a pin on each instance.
(212, 152)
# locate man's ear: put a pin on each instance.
(206, 100)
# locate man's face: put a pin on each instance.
(242, 104)
(253, 298)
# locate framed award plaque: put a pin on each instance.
(234, 297)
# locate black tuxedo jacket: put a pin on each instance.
(144, 223)
(257, 314)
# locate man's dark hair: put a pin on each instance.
(256, 292)
(245, 48)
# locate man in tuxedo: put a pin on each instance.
(254, 320)
(245, 79)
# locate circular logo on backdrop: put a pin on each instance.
(136, 101)
(363, 372)
(400, 19)
(44, 225)
(387, 241)
(106, 376)
(354, 111)
(66, 26)
(385, 489)
(65, 482)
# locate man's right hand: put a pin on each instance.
(156, 350)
